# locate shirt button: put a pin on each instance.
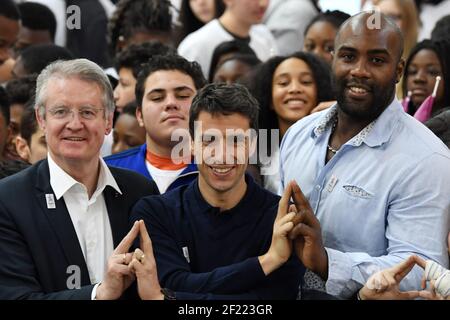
(318, 188)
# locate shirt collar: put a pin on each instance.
(325, 122)
(62, 182)
(204, 206)
(374, 134)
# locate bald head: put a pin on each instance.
(367, 64)
(369, 24)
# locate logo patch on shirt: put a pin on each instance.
(332, 183)
(50, 198)
(357, 192)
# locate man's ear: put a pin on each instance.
(109, 123)
(40, 119)
(400, 70)
(22, 148)
(139, 117)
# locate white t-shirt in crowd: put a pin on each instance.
(199, 46)
(163, 178)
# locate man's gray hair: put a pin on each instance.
(82, 69)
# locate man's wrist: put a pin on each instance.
(100, 294)
(323, 268)
(268, 263)
(167, 294)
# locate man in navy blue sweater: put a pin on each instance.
(223, 236)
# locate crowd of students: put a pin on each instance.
(122, 132)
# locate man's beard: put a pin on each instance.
(368, 109)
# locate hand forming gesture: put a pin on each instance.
(307, 235)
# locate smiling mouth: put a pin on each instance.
(74, 139)
(221, 171)
(358, 90)
(295, 102)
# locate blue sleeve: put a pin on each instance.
(282, 284)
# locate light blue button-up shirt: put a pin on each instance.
(384, 196)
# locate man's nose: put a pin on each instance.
(74, 120)
(360, 69)
(172, 103)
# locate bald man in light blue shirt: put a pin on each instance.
(377, 180)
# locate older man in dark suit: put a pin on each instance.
(61, 219)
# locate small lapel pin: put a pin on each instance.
(50, 198)
(186, 254)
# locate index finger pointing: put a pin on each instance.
(127, 241)
(403, 268)
(298, 196)
(146, 242)
(303, 205)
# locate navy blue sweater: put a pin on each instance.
(222, 247)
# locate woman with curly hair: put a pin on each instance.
(287, 89)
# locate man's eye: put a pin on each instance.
(87, 113)
(347, 57)
(329, 48)
(156, 98)
(60, 112)
(377, 60)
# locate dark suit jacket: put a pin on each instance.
(38, 245)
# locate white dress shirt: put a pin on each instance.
(89, 216)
